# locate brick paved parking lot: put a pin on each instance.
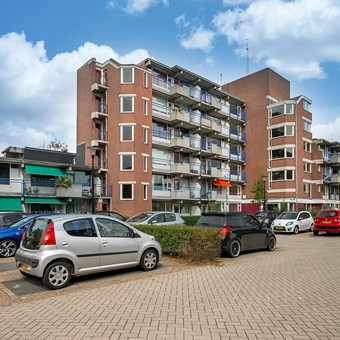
(291, 293)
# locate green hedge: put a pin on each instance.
(190, 220)
(192, 243)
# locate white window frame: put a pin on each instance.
(132, 96)
(122, 126)
(307, 126)
(285, 175)
(307, 167)
(145, 163)
(121, 161)
(307, 146)
(132, 191)
(122, 75)
(145, 192)
(285, 131)
(145, 79)
(307, 106)
(145, 135)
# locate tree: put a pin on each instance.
(55, 144)
(259, 191)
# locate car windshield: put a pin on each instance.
(328, 214)
(212, 221)
(20, 222)
(262, 214)
(288, 216)
(140, 217)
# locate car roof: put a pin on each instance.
(224, 213)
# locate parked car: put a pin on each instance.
(240, 232)
(156, 218)
(111, 214)
(267, 217)
(55, 248)
(293, 222)
(10, 237)
(328, 221)
(9, 217)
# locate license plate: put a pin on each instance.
(279, 228)
(326, 221)
(24, 266)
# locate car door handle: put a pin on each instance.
(64, 243)
(104, 243)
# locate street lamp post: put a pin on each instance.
(264, 179)
(93, 153)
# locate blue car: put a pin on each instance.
(10, 237)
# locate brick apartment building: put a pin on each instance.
(168, 139)
(163, 137)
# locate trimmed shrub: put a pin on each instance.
(190, 220)
(194, 244)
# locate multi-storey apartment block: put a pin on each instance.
(163, 137)
(279, 131)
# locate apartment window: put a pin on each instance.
(145, 163)
(4, 174)
(282, 131)
(126, 191)
(307, 167)
(145, 135)
(281, 110)
(145, 107)
(145, 192)
(307, 146)
(307, 106)
(127, 75)
(281, 175)
(126, 162)
(126, 104)
(282, 153)
(126, 133)
(145, 79)
(306, 188)
(307, 126)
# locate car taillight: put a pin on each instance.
(49, 236)
(224, 231)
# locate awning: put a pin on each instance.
(10, 203)
(44, 170)
(221, 183)
(44, 200)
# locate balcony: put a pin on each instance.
(161, 137)
(215, 172)
(335, 158)
(335, 178)
(161, 85)
(101, 139)
(100, 84)
(161, 191)
(161, 112)
(216, 103)
(102, 164)
(216, 125)
(181, 142)
(180, 168)
(161, 165)
(101, 112)
(215, 149)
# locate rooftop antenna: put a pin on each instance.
(247, 56)
(221, 79)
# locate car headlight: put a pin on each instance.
(289, 223)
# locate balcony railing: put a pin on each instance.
(37, 188)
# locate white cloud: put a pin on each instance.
(37, 95)
(181, 21)
(328, 131)
(294, 37)
(111, 4)
(200, 38)
(140, 6)
(235, 2)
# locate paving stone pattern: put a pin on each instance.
(291, 293)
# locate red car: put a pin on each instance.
(328, 221)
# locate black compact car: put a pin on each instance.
(240, 232)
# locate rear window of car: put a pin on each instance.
(288, 216)
(212, 221)
(34, 233)
(328, 214)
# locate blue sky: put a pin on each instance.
(43, 43)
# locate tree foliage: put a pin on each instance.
(55, 144)
(259, 191)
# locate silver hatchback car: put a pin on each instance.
(55, 248)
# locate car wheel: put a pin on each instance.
(234, 248)
(271, 243)
(149, 260)
(57, 275)
(296, 230)
(315, 233)
(8, 248)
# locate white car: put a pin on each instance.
(293, 222)
(156, 218)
